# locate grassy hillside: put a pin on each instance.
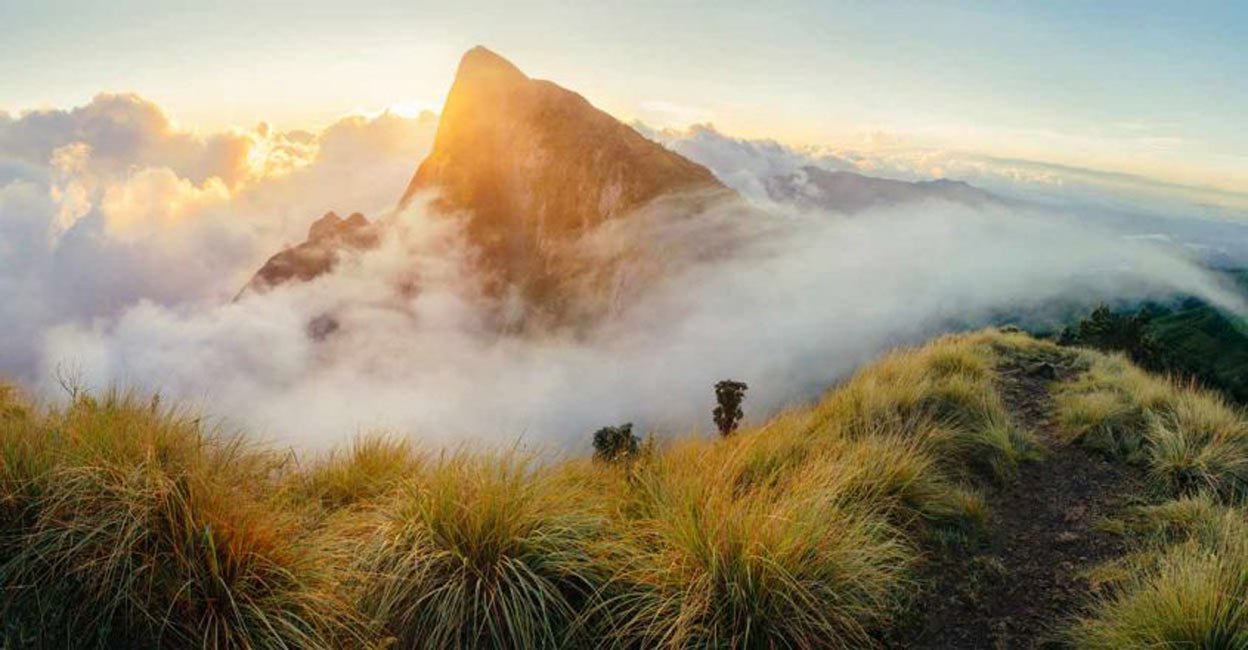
(127, 523)
(1205, 342)
(1190, 338)
(1185, 585)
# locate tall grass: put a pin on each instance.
(943, 394)
(1189, 439)
(373, 467)
(1188, 588)
(1186, 585)
(130, 524)
(483, 551)
(702, 564)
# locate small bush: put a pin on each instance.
(615, 443)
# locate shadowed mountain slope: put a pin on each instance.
(328, 238)
(849, 192)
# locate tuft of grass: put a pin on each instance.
(943, 393)
(134, 526)
(799, 565)
(1189, 439)
(371, 469)
(1188, 589)
(483, 551)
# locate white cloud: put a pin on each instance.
(108, 204)
(137, 290)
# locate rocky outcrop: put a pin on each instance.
(329, 238)
(529, 167)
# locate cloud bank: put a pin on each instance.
(121, 273)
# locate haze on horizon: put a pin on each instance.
(1150, 88)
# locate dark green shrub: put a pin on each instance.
(612, 443)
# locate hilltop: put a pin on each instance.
(984, 490)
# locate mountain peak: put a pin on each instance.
(482, 62)
(532, 166)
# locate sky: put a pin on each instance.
(1151, 88)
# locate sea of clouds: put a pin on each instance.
(124, 239)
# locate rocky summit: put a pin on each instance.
(530, 168)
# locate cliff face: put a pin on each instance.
(532, 166)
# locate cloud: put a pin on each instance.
(743, 165)
(798, 307)
(1202, 219)
(110, 204)
(123, 131)
(135, 290)
(154, 201)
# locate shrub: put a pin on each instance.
(729, 395)
(1106, 330)
(615, 443)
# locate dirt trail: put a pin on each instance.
(1023, 586)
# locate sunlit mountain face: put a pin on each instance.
(522, 264)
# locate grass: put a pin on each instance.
(127, 523)
(483, 551)
(1188, 439)
(1186, 584)
(1186, 588)
(371, 469)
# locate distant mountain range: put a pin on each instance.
(850, 192)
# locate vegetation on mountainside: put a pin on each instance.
(127, 523)
(1187, 585)
(1192, 339)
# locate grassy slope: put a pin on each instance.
(1208, 341)
(128, 524)
(1187, 584)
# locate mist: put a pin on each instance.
(806, 300)
(119, 293)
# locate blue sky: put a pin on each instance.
(1144, 87)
